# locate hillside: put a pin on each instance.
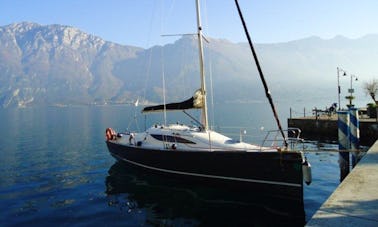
(61, 65)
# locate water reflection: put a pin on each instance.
(157, 200)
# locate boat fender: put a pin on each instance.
(110, 134)
(132, 139)
(173, 147)
(307, 175)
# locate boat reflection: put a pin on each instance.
(171, 202)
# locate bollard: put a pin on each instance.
(354, 135)
(344, 143)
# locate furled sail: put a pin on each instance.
(194, 102)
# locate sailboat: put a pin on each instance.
(199, 154)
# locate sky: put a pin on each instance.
(143, 22)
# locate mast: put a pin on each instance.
(204, 119)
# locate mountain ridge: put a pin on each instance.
(61, 65)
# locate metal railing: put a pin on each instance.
(292, 137)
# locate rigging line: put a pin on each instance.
(163, 73)
(193, 118)
(211, 92)
(146, 66)
(267, 92)
(148, 73)
(134, 120)
(164, 93)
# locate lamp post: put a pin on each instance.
(338, 83)
(351, 90)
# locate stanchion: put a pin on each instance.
(344, 143)
(354, 135)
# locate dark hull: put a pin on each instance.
(270, 173)
(199, 205)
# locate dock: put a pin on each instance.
(355, 201)
(324, 128)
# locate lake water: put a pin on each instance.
(55, 168)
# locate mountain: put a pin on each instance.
(45, 65)
(61, 65)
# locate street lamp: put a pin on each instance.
(338, 82)
(351, 90)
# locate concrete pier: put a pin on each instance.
(355, 201)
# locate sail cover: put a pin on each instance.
(194, 102)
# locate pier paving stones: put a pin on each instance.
(355, 201)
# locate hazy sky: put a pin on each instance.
(141, 22)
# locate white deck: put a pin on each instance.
(196, 140)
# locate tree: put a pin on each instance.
(371, 88)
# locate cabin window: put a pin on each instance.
(172, 139)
